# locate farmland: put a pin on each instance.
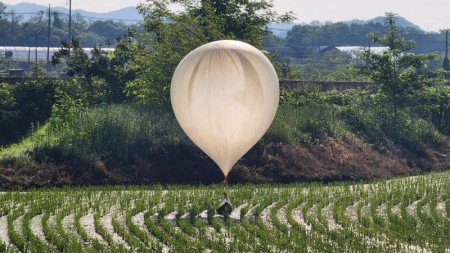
(399, 215)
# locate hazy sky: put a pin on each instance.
(430, 15)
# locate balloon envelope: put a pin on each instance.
(225, 95)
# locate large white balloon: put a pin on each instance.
(225, 96)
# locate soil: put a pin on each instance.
(329, 161)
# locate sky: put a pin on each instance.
(430, 15)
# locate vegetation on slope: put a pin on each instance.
(315, 136)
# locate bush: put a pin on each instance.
(313, 115)
(411, 132)
(24, 105)
(114, 132)
(434, 104)
(8, 113)
(362, 113)
(306, 124)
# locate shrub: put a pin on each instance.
(411, 132)
(24, 105)
(8, 113)
(434, 104)
(114, 132)
(306, 124)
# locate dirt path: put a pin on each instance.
(4, 238)
(298, 217)
(37, 230)
(87, 223)
(106, 222)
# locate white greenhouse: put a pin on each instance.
(35, 54)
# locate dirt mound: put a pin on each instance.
(331, 160)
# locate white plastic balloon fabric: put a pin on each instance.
(225, 95)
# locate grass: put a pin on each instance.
(119, 131)
(23, 151)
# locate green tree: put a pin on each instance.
(108, 29)
(36, 70)
(10, 28)
(2, 9)
(104, 74)
(4, 24)
(5, 62)
(72, 54)
(57, 22)
(8, 113)
(401, 76)
(171, 35)
(346, 34)
(34, 30)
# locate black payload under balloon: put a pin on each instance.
(225, 206)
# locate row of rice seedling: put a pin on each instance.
(399, 215)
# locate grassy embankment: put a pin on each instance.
(315, 136)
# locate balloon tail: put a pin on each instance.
(225, 181)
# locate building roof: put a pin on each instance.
(357, 49)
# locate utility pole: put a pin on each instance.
(446, 64)
(48, 34)
(11, 26)
(70, 20)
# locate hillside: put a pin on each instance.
(332, 161)
(141, 144)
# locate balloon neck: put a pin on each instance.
(225, 181)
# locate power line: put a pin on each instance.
(62, 13)
(19, 13)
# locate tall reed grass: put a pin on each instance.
(118, 132)
(113, 131)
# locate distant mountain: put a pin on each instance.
(127, 15)
(131, 15)
(401, 21)
(281, 30)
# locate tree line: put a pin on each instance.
(36, 30)
(16, 30)
(355, 34)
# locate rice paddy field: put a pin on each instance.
(399, 215)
